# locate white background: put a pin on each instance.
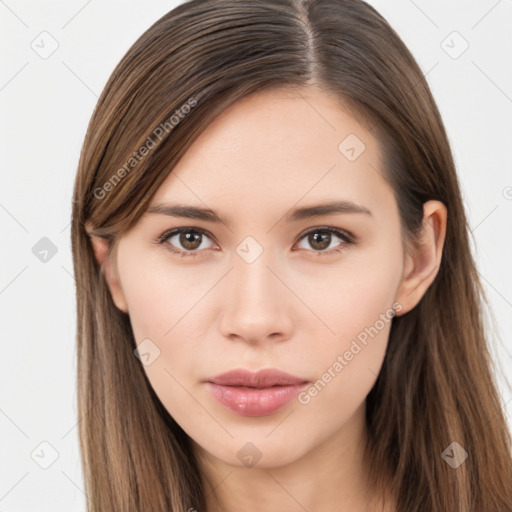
(45, 107)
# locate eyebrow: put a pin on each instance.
(295, 215)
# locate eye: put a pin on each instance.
(190, 241)
(320, 239)
(187, 240)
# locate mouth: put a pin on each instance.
(262, 379)
(255, 393)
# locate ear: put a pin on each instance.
(422, 262)
(108, 268)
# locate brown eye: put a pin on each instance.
(187, 241)
(320, 239)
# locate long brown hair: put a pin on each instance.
(436, 385)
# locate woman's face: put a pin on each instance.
(268, 287)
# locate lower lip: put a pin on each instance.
(255, 402)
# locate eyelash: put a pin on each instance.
(347, 238)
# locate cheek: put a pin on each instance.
(347, 365)
(147, 308)
(357, 308)
(159, 298)
(355, 301)
(349, 371)
(165, 309)
(162, 321)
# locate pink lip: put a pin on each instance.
(255, 394)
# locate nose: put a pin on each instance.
(257, 305)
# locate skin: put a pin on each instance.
(290, 309)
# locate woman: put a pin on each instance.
(278, 308)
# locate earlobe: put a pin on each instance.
(100, 247)
(423, 261)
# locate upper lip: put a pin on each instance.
(261, 379)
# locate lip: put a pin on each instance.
(255, 393)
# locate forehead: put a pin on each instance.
(277, 148)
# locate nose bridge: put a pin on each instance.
(255, 307)
(253, 279)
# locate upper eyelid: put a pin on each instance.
(176, 231)
(333, 229)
